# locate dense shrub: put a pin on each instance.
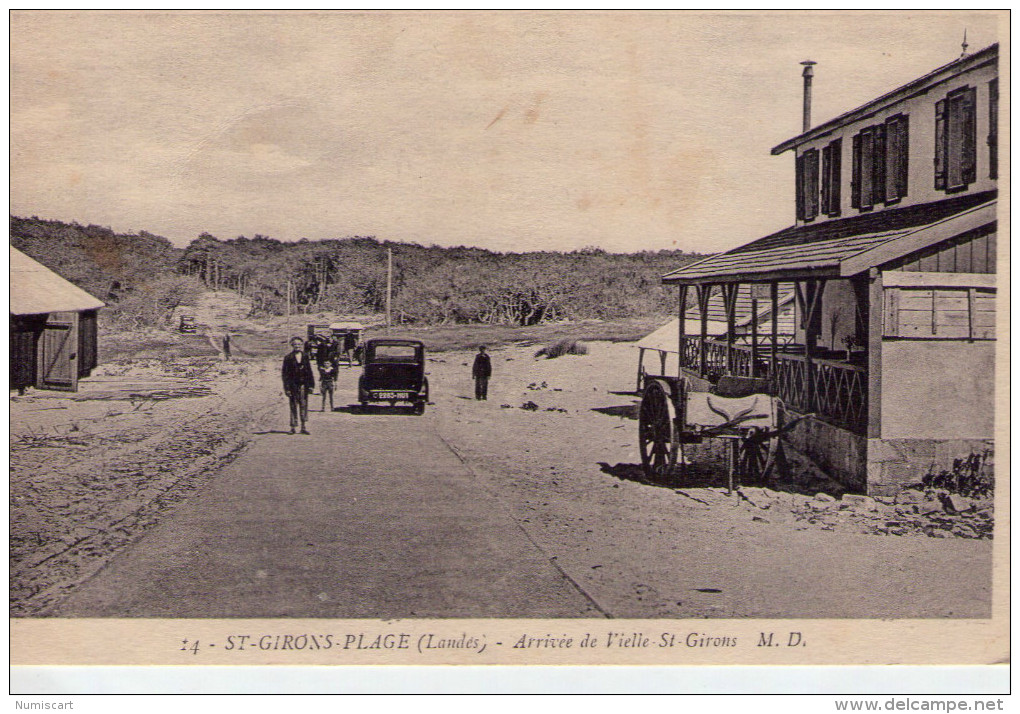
(563, 347)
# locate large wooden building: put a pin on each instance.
(893, 262)
(54, 338)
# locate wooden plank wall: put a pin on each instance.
(968, 254)
(957, 313)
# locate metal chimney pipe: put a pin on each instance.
(809, 72)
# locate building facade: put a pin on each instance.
(892, 259)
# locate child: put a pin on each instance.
(328, 370)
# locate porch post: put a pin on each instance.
(681, 330)
(730, 305)
(704, 295)
(754, 336)
(876, 296)
(774, 295)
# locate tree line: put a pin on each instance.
(430, 284)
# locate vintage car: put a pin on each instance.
(187, 324)
(394, 371)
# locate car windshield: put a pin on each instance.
(396, 353)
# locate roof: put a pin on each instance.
(831, 250)
(921, 85)
(35, 289)
(742, 311)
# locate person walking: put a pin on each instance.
(298, 380)
(481, 371)
(226, 346)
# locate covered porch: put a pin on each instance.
(811, 377)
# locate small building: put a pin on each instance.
(54, 329)
(894, 283)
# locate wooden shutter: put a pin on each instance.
(940, 145)
(800, 187)
(897, 152)
(878, 152)
(810, 184)
(993, 128)
(866, 190)
(855, 169)
(826, 177)
(968, 153)
(834, 174)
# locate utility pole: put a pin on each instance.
(389, 285)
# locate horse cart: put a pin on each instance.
(736, 409)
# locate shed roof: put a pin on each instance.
(841, 248)
(35, 289)
(742, 311)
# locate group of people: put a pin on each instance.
(299, 380)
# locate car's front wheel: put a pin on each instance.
(419, 408)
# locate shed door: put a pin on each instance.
(58, 352)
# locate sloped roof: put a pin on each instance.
(920, 85)
(35, 289)
(838, 248)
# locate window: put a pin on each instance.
(897, 150)
(955, 139)
(993, 129)
(880, 159)
(807, 185)
(831, 165)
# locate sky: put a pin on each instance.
(508, 131)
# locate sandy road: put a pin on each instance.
(370, 516)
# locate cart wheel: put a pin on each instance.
(657, 431)
(753, 458)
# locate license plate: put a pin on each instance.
(391, 395)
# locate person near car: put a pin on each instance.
(298, 380)
(350, 345)
(329, 368)
(481, 371)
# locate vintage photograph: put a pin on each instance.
(538, 315)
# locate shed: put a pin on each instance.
(53, 329)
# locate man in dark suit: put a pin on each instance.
(481, 370)
(297, 382)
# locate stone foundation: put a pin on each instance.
(840, 453)
(896, 463)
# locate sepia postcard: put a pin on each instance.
(509, 338)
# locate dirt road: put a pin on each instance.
(488, 509)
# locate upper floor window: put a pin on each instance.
(993, 128)
(831, 166)
(880, 163)
(955, 140)
(807, 185)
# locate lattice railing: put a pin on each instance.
(836, 392)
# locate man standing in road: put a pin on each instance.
(226, 346)
(481, 371)
(297, 382)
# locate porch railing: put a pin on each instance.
(835, 391)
